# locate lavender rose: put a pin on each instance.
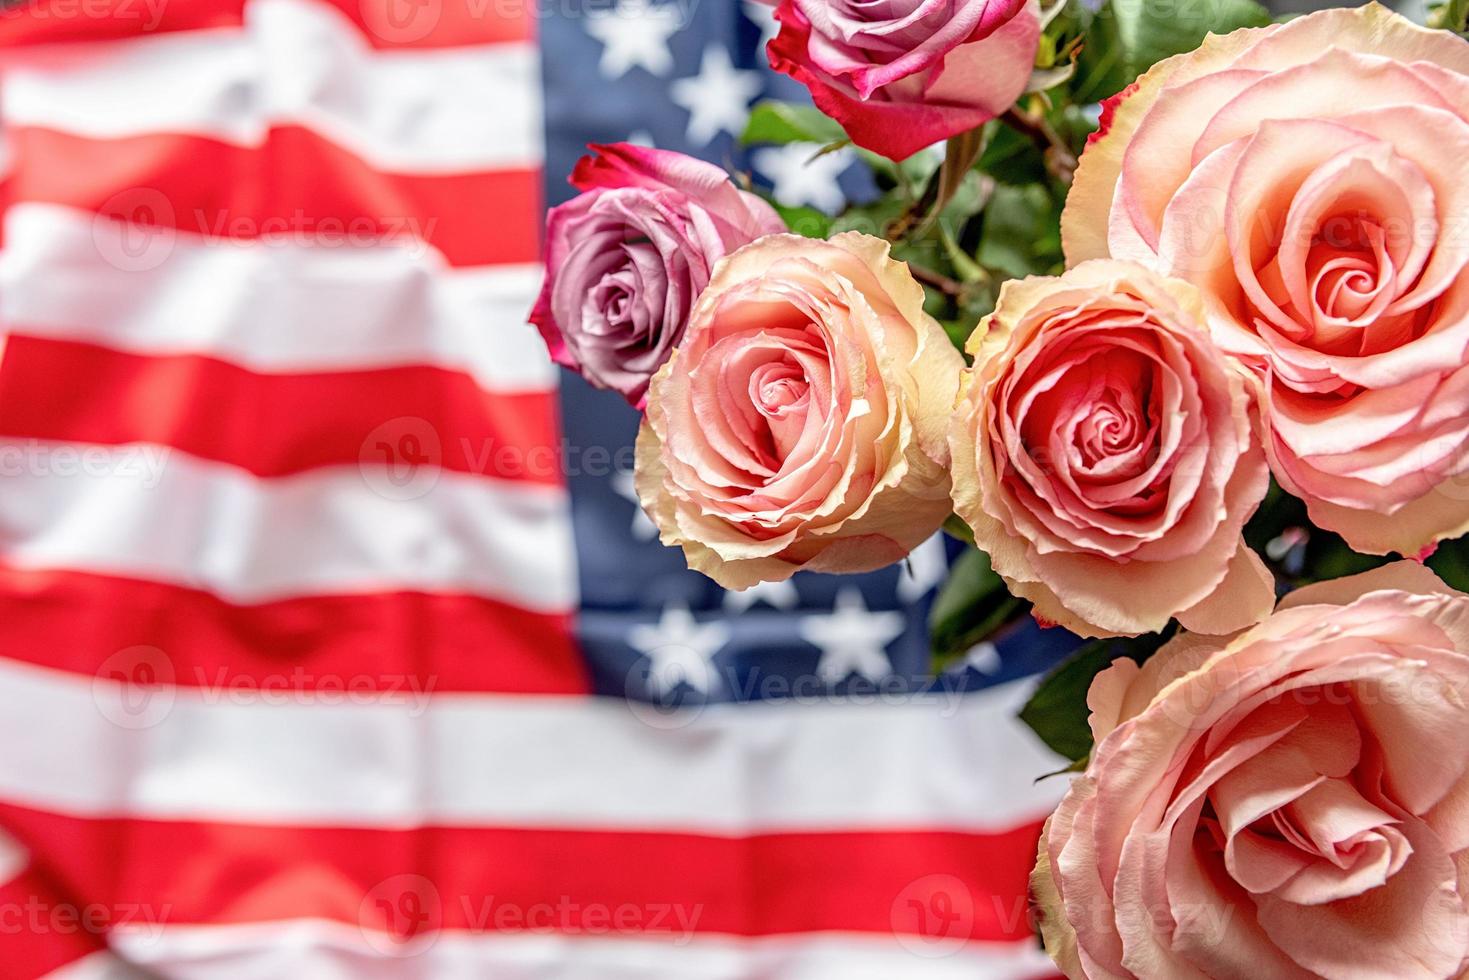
(626, 259)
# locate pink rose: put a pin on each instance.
(901, 75)
(800, 425)
(1290, 804)
(1311, 179)
(626, 260)
(1103, 455)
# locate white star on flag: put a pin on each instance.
(925, 570)
(778, 595)
(983, 657)
(718, 98)
(634, 34)
(799, 176)
(625, 486)
(852, 639)
(681, 650)
(763, 15)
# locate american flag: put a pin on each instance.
(331, 644)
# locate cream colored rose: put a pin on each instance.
(1104, 456)
(1290, 804)
(1312, 180)
(800, 425)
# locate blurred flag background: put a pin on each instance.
(332, 643)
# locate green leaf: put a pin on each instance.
(804, 221)
(1451, 562)
(1022, 232)
(1102, 67)
(1078, 766)
(871, 219)
(1012, 158)
(1130, 36)
(1330, 557)
(784, 122)
(972, 605)
(955, 528)
(1057, 712)
(958, 331)
(1451, 16)
(1151, 31)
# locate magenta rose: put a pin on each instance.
(626, 260)
(1290, 804)
(901, 75)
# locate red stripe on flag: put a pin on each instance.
(384, 24)
(77, 622)
(440, 23)
(42, 930)
(400, 881)
(277, 424)
(297, 188)
(57, 21)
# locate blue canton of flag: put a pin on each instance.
(682, 75)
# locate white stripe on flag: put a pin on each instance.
(338, 950)
(295, 62)
(234, 754)
(98, 966)
(268, 306)
(150, 512)
(310, 948)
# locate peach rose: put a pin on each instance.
(1104, 457)
(1292, 803)
(1313, 180)
(800, 425)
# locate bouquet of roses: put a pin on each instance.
(1175, 325)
